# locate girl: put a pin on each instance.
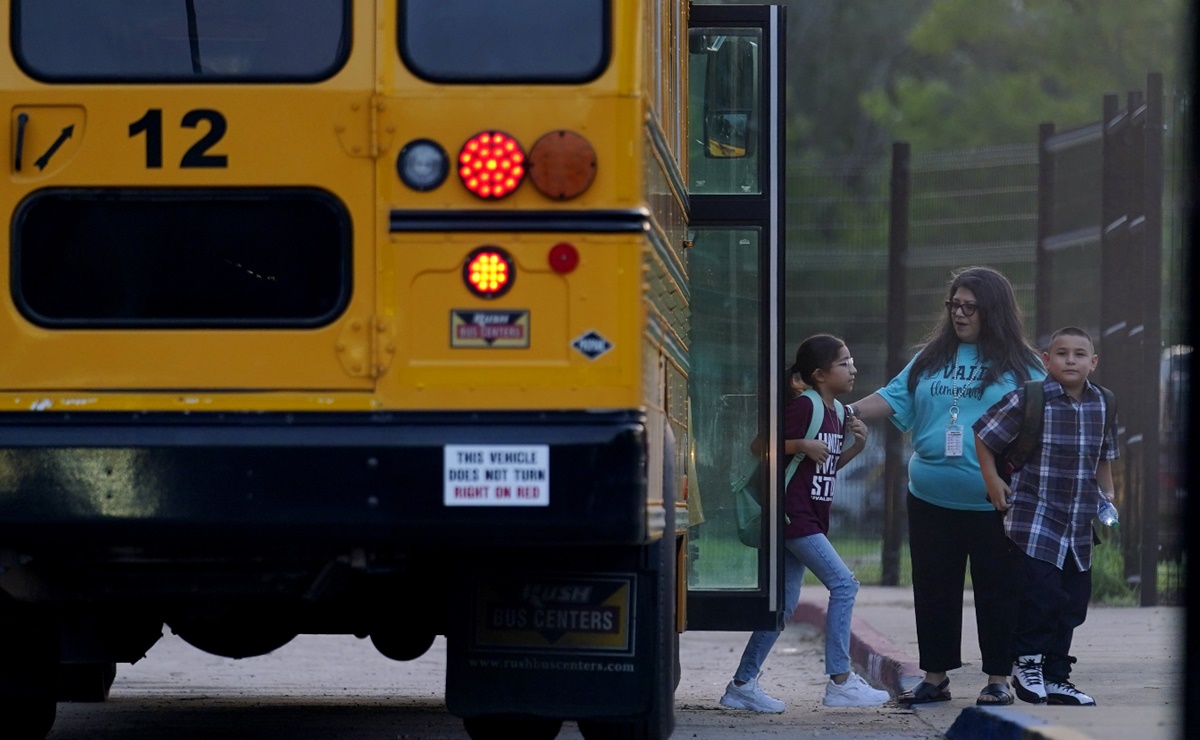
(823, 363)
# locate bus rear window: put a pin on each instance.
(469, 41)
(181, 258)
(181, 40)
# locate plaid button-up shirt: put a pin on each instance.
(1055, 495)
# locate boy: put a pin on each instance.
(1049, 511)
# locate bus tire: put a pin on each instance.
(85, 682)
(29, 646)
(231, 640)
(507, 727)
(399, 644)
(609, 730)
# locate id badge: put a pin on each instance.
(954, 440)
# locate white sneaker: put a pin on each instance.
(1064, 692)
(750, 696)
(855, 692)
(1027, 679)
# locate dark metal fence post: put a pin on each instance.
(1118, 318)
(1045, 209)
(1151, 228)
(893, 466)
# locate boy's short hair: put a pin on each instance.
(1071, 331)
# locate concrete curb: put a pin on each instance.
(883, 663)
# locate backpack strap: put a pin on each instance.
(814, 426)
(1030, 435)
(1110, 410)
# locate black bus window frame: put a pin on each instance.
(181, 258)
(89, 42)
(432, 38)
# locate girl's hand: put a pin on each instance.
(813, 449)
(859, 428)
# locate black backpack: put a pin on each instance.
(1014, 456)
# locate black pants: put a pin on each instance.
(940, 542)
(1053, 603)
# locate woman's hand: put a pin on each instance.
(998, 491)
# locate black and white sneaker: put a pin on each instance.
(1064, 692)
(1027, 679)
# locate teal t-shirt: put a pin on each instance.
(951, 482)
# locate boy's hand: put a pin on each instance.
(998, 492)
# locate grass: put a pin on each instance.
(1108, 577)
(864, 558)
(726, 563)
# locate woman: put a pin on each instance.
(975, 354)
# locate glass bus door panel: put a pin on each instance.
(191, 196)
(735, 183)
(726, 400)
(725, 80)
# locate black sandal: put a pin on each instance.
(1001, 696)
(925, 693)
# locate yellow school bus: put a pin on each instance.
(388, 318)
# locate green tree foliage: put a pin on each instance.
(986, 72)
(836, 51)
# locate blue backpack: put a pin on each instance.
(748, 494)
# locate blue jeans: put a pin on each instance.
(816, 554)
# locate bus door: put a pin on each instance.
(735, 183)
(190, 197)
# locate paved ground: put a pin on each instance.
(335, 687)
(1130, 661)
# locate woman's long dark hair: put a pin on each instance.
(1001, 345)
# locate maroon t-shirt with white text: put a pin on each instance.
(810, 493)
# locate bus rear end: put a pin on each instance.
(332, 317)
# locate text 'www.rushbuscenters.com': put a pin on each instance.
(552, 665)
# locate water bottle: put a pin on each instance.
(1108, 514)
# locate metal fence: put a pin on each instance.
(981, 206)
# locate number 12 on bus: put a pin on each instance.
(395, 319)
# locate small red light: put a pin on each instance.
(488, 272)
(491, 164)
(564, 257)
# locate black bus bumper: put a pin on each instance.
(219, 484)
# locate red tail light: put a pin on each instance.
(491, 164)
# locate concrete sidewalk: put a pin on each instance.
(1130, 662)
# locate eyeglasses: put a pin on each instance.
(968, 309)
(846, 363)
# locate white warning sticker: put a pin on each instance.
(496, 475)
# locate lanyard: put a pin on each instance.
(955, 392)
